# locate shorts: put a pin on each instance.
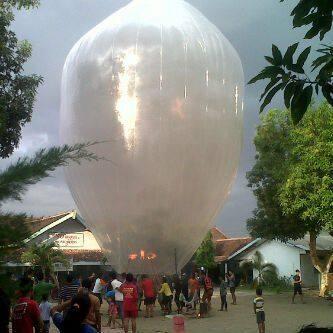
(207, 295)
(260, 317)
(131, 314)
(232, 290)
(298, 289)
(150, 300)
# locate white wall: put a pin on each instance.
(285, 257)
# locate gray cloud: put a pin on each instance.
(250, 25)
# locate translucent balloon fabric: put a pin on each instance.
(162, 89)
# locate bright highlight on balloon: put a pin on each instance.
(162, 88)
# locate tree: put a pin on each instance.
(308, 190)
(287, 73)
(273, 145)
(17, 90)
(17, 95)
(205, 254)
(44, 256)
(265, 270)
(291, 179)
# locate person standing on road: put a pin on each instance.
(297, 286)
(119, 297)
(223, 294)
(258, 306)
(232, 285)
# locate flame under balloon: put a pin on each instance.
(162, 88)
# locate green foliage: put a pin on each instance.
(30, 170)
(44, 256)
(205, 254)
(17, 90)
(286, 72)
(266, 271)
(292, 176)
(273, 145)
(308, 189)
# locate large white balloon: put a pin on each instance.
(162, 88)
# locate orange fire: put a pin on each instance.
(142, 256)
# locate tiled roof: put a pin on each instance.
(35, 225)
(84, 255)
(217, 234)
(226, 247)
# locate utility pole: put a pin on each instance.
(176, 262)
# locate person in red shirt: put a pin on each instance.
(25, 314)
(130, 291)
(148, 289)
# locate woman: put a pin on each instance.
(177, 286)
(232, 285)
(166, 293)
(73, 322)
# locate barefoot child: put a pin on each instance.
(113, 309)
(258, 306)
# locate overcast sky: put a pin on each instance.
(250, 25)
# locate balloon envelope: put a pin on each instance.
(162, 89)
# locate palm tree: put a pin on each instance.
(265, 270)
(45, 256)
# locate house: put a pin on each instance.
(72, 237)
(287, 257)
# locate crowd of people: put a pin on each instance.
(79, 300)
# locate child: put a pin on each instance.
(45, 308)
(258, 306)
(25, 313)
(223, 295)
(130, 291)
(113, 309)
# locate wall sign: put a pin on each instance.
(64, 240)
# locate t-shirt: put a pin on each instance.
(95, 306)
(45, 308)
(208, 283)
(58, 320)
(42, 288)
(165, 289)
(223, 288)
(193, 285)
(148, 288)
(25, 315)
(68, 291)
(98, 286)
(130, 292)
(115, 285)
(297, 280)
(259, 304)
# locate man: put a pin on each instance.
(99, 287)
(194, 287)
(94, 316)
(184, 282)
(130, 292)
(258, 307)
(116, 284)
(25, 314)
(297, 286)
(42, 287)
(148, 289)
(69, 289)
(208, 289)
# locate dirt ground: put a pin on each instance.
(281, 316)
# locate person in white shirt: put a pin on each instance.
(98, 288)
(45, 308)
(119, 297)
